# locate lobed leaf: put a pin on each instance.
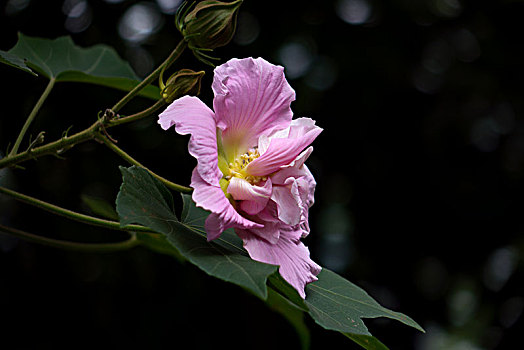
(62, 60)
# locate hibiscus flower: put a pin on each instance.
(250, 171)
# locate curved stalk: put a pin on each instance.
(137, 116)
(86, 247)
(86, 219)
(32, 116)
(132, 161)
(168, 62)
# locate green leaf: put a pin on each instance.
(62, 60)
(15, 61)
(337, 304)
(144, 200)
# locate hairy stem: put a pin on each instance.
(86, 219)
(132, 161)
(172, 58)
(87, 247)
(32, 116)
(57, 147)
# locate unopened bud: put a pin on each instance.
(210, 24)
(183, 82)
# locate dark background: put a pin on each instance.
(420, 172)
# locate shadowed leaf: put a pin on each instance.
(62, 60)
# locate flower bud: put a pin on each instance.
(183, 82)
(210, 24)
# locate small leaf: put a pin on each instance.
(337, 304)
(63, 60)
(144, 200)
(15, 61)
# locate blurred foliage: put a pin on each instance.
(420, 173)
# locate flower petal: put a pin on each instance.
(223, 215)
(289, 202)
(284, 147)
(294, 169)
(253, 198)
(270, 231)
(252, 97)
(189, 115)
(296, 267)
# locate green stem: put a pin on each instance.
(137, 116)
(87, 247)
(132, 161)
(113, 225)
(172, 58)
(67, 142)
(32, 116)
(57, 147)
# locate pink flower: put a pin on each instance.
(251, 173)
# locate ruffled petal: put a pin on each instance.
(253, 198)
(295, 169)
(296, 267)
(189, 115)
(289, 202)
(270, 230)
(223, 215)
(284, 147)
(252, 97)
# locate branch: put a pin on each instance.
(88, 247)
(59, 146)
(86, 219)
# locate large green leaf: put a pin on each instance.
(62, 60)
(144, 200)
(337, 304)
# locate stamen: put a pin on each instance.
(237, 167)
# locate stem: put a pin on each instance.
(32, 116)
(139, 115)
(132, 161)
(66, 142)
(55, 147)
(88, 247)
(172, 58)
(113, 225)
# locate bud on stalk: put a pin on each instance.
(209, 25)
(183, 82)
